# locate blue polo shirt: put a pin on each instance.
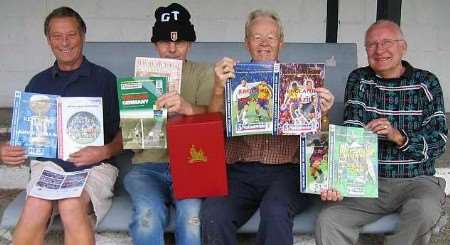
(89, 80)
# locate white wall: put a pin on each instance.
(425, 25)
(24, 52)
(354, 18)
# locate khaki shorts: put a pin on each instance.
(99, 185)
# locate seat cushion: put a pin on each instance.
(119, 216)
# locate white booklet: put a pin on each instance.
(56, 185)
(159, 67)
(80, 124)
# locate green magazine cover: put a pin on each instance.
(143, 125)
(348, 162)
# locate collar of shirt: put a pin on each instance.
(408, 74)
(84, 70)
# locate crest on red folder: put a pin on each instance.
(197, 155)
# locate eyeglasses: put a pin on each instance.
(271, 39)
(385, 44)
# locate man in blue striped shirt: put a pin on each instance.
(404, 106)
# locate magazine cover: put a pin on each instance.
(143, 125)
(353, 156)
(345, 159)
(34, 124)
(55, 185)
(159, 67)
(314, 162)
(299, 110)
(250, 99)
(80, 124)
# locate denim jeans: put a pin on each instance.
(150, 188)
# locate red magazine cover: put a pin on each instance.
(197, 155)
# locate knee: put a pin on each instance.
(194, 221)
(190, 224)
(147, 219)
(72, 211)
(275, 210)
(326, 219)
(207, 213)
(129, 180)
(36, 212)
(424, 210)
(72, 206)
(189, 215)
(213, 212)
(144, 217)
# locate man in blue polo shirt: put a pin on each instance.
(71, 75)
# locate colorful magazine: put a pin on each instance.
(349, 165)
(80, 124)
(159, 67)
(34, 124)
(143, 125)
(250, 99)
(274, 98)
(314, 163)
(299, 110)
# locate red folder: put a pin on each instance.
(197, 155)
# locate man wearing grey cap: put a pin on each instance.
(149, 182)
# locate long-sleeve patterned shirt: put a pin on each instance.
(413, 103)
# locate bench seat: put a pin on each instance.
(119, 217)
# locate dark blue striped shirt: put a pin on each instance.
(414, 104)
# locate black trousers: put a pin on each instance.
(274, 189)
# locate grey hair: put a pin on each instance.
(385, 22)
(263, 13)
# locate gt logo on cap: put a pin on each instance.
(166, 16)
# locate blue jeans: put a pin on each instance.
(150, 188)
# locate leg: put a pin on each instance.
(33, 222)
(281, 202)
(423, 206)
(37, 212)
(187, 229)
(221, 217)
(339, 223)
(148, 187)
(257, 106)
(74, 213)
(268, 110)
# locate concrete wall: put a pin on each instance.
(24, 51)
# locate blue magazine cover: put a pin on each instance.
(250, 99)
(34, 124)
